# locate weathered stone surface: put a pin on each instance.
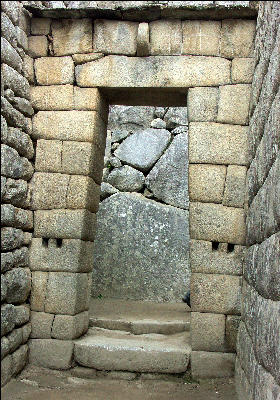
(237, 38)
(15, 339)
(83, 192)
(20, 141)
(16, 258)
(207, 332)
(6, 370)
(28, 69)
(7, 318)
(38, 293)
(11, 238)
(143, 40)
(65, 224)
(13, 116)
(129, 119)
(4, 347)
(175, 71)
(232, 324)
(206, 182)
(114, 162)
(3, 288)
(201, 37)
(38, 46)
(12, 10)
(72, 36)
(176, 116)
(40, 26)
(23, 105)
(22, 39)
(212, 365)
(48, 156)
(16, 217)
(168, 180)
(235, 186)
(60, 70)
(90, 99)
(120, 242)
(215, 293)
(202, 104)
(51, 353)
(107, 190)
(67, 293)
(158, 123)
(59, 97)
(204, 259)
(165, 37)
(22, 314)
(10, 56)
(242, 386)
(217, 143)
(142, 149)
(234, 104)
(8, 30)
(14, 166)
(72, 256)
(115, 37)
(15, 81)
(19, 285)
(20, 359)
(67, 327)
(262, 267)
(84, 58)
(215, 222)
(242, 70)
(15, 192)
(126, 179)
(41, 325)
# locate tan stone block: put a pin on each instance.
(83, 192)
(206, 182)
(37, 46)
(80, 126)
(67, 327)
(59, 97)
(234, 104)
(90, 99)
(41, 324)
(54, 70)
(237, 38)
(48, 156)
(40, 26)
(143, 40)
(242, 70)
(207, 331)
(165, 37)
(235, 188)
(232, 325)
(28, 69)
(219, 294)
(51, 353)
(214, 222)
(218, 143)
(65, 224)
(115, 37)
(212, 365)
(84, 58)
(201, 37)
(154, 72)
(49, 190)
(202, 104)
(67, 293)
(38, 290)
(82, 158)
(72, 36)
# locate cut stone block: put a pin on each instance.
(80, 126)
(67, 327)
(84, 58)
(48, 156)
(59, 97)
(202, 104)
(165, 37)
(206, 182)
(234, 104)
(72, 256)
(142, 72)
(67, 293)
(212, 365)
(143, 40)
(20, 359)
(237, 38)
(54, 70)
(41, 325)
(115, 37)
(37, 46)
(90, 99)
(242, 70)
(65, 224)
(40, 26)
(203, 258)
(72, 36)
(38, 292)
(218, 143)
(235, 188)
(214, 222)
(232, 324)
(208, 331)
(219, 294)
(201, 37)
(51, 353)
(83, 192)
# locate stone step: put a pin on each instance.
(112, 350)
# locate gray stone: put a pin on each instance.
(67, 327)
(7, 318)
(8, 30)
(11, 238)
(14, 166)
(4, 129)
(176, 116)
(16, 192)
(114, 162)
(15, 339)
(20, 359)
(19, 285)
(6, 369)
(208, 332)
(13, 116)
(141, 250)
(107, 190)
(130, 119)
(179, 129)
(168, 180)
(119, 134)
(12, 10)
(160, 112)
(126, 179)
(16, 258)
(232, 325)
(16, 217)
(22, 39)
(26, 331)
(22, 314)
(158, 123)
(5, 349)
(21, 142)
(41, 324)
(9, 55)
(3, 288)
(15, 81)
(212, 365)
(142, 149)
(51, 353)
(23, 105)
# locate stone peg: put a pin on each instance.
(143, 40)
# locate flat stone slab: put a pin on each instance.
(122, 351)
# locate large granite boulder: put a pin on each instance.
(142, 149)
(141, 250)
(126, 179)
(168, 180)
(132, 118)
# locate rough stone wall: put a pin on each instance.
(258, 345)
(16, 170)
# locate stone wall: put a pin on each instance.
(258, 345)
(17, 154)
